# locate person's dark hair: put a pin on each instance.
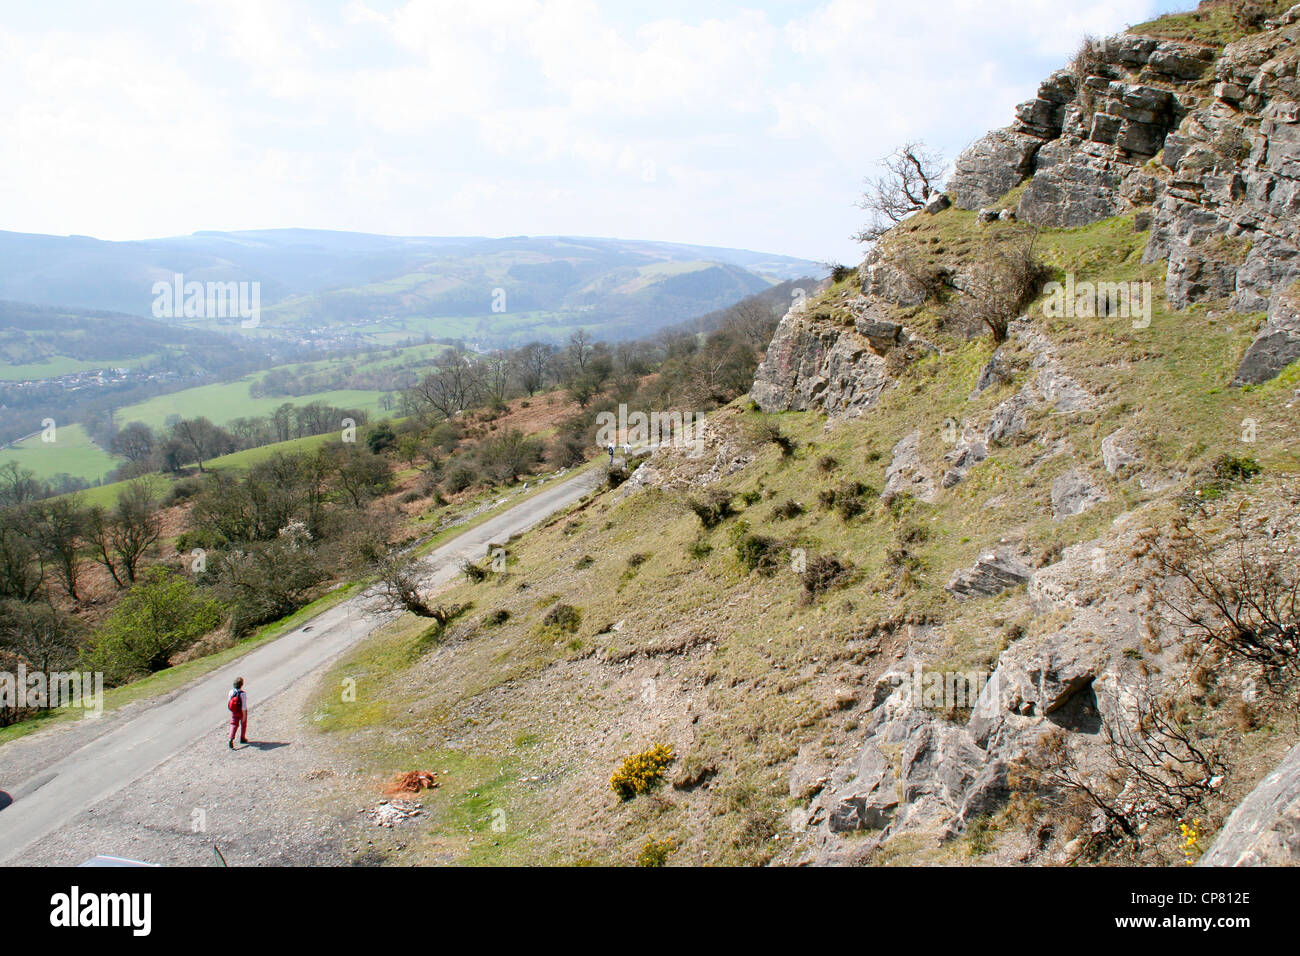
(239, 682)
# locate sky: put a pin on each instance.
(742, 124)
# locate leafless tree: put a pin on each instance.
(451, 387)
(532, 364)
(1004, 279)
(909, 176)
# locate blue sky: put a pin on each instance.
(731, 123)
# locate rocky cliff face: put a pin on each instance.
(1202, 144)
(1206, 143)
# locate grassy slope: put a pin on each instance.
(71, 453)
(531, 722)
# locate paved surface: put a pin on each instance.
(56, 777)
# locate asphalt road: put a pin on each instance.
(56, 774)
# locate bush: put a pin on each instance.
(641, 772)
(636, 560)
(615, 475)
(267, 580)
(1230, 468)
(584, 562)
(822, 573)
(655, 852)
(699, 549)
(459, 477)
(161, 616)
(773, 435)
(713, 508)
(181, 491)
(563, 617)
(759, 553)
(847, 499)
(787, 510)
(1004, 280)
(827, 463)
(473, 572)
(497, 617)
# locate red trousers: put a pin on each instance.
(239, 722)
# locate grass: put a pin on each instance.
(753, 654)
(230, 400)
(1215, 24)
(71, 453)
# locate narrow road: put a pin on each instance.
(56, 774)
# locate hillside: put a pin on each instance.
(982, 571)
(349, 289)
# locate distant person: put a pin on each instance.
(610, 449)
(237, 704)
(627, 450)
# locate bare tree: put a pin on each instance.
(910, 175)
(533, 363)
(60, 524)
(451, 387)
(122, 538)
(1004, 280)
(579, 352)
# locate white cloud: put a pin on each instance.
(750, 128)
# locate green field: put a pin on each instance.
(222, 403)
(72, 452)
(55, 367)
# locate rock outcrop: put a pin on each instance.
(1264, 830)
(1210, 142)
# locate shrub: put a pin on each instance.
(381, 438)
(584, 562)
(1005, 278)
(759, 553)
(699, 549)
(497, 617)
(615, 475)
(267, 580)
(563, 617)
(827, 463)
(772, 434)
(1231, 468)
(160, 616)
(847, 499)
(822, 573)
(787, 510)
(182, 490)
(641, 772)
(473, 572)
(713, 508)
(637, 559)
(655, 852)
(459, 477)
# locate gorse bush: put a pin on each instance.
(759, 553)
(787, 510)
(655, 852)
(822, 573)
(848, 500)
(713, 508)
(641, 772)
(563, 617)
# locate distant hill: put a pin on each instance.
(381, 287)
